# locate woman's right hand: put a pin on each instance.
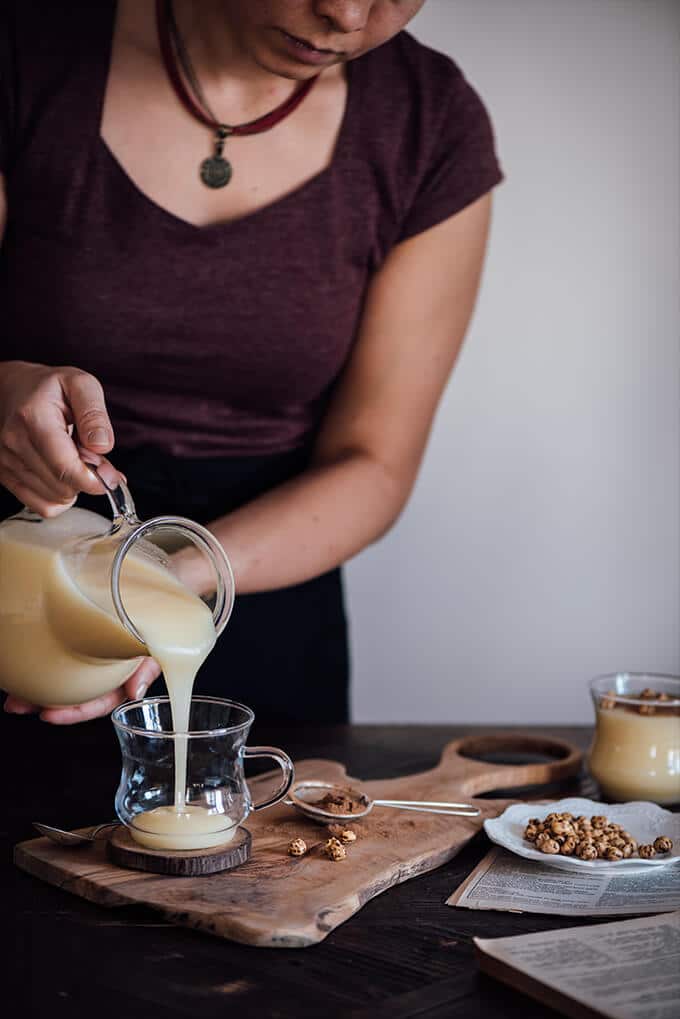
(133, 689)
(45, 414)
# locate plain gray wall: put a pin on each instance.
(542, 543)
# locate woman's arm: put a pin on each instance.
(368, 452)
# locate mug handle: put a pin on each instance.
(286, 766)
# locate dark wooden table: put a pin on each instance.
(405, 954)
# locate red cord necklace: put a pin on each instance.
(216, 171)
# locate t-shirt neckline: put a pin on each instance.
(224, 226)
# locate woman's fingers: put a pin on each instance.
(43, 413)
(61, 455)
(29, 471)
(85, 397)
(25, 466)
(84, 712)
(18, 706)
(108, 473)
(135, 688)
(140, 681)
(25, 460)
(30, 498)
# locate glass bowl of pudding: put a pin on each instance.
(635, 753)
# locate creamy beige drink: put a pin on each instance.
(637, 757)
(61, 641)
(185, 827)
(56, 646)
(636, 748)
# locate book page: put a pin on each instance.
(507, 882)
(624, 970)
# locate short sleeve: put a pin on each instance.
(460, 163)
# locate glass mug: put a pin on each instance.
(635, 753)
(217, 799)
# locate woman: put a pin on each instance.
(253, 232)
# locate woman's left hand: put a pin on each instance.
(133, 689)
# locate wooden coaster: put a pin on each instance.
(125, 852)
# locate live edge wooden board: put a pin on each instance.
(275, 900)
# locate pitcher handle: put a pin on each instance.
(120, 498)
(285, 764)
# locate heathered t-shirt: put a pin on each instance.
(223, 340)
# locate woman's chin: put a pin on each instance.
(275, 56)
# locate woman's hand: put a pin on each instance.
(135, 688)
(43, 412)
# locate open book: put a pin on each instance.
(629, 969)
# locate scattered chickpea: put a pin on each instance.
(663, 844)
(646, 852)
(335, 850)
(298, 847)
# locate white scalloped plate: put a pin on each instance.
(643, 820)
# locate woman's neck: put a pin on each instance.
(221, 59)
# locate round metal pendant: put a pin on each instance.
(216, 172)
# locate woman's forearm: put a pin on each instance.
(306, 526)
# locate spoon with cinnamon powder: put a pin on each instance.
(323, 801)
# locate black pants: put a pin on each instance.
(284, 652)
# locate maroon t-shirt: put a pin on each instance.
(225, 339)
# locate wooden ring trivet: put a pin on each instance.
(125, 852)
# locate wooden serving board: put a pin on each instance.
(276, 900)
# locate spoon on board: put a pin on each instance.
(308, 797)
(71, 838)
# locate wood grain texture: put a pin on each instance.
(123, 851)
(275, 900)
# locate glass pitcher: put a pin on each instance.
(69, 630)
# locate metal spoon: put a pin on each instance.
(304, 792)
(71, 838)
